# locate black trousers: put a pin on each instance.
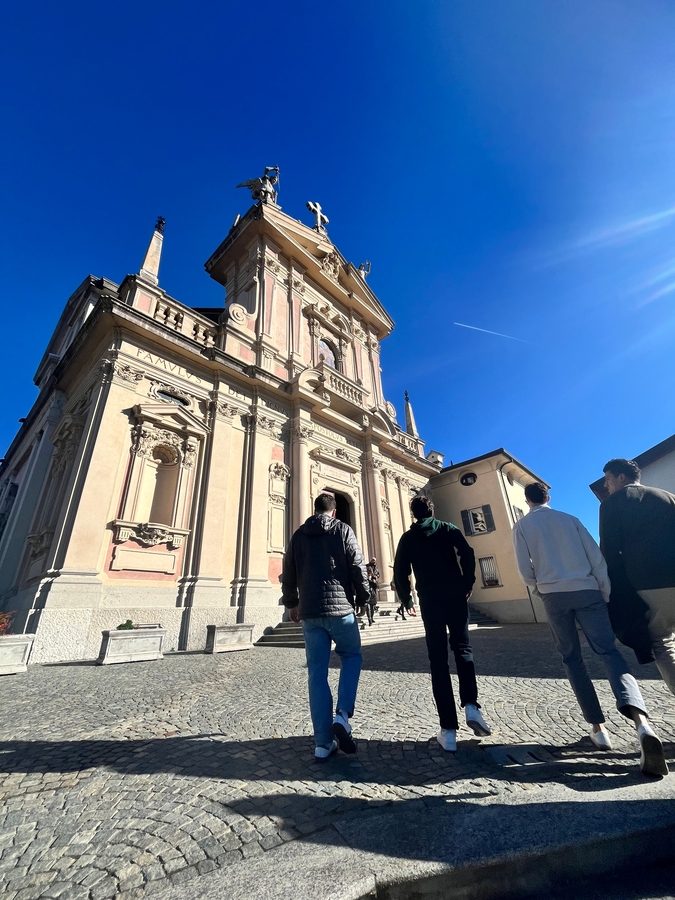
(441, 616)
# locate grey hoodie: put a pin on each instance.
(324, 569)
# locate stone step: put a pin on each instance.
(387, 627)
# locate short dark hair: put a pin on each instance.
(422, 507)
(537, 492)
(324, 503)
(627, 467)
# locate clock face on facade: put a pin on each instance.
(468, 478)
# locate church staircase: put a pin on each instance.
(388, 626)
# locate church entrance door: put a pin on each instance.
(343, 511)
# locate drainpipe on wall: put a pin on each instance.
(513, 522)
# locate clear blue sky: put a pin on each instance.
(505, 165)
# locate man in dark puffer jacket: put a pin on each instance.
(323, 571)
(429, 548)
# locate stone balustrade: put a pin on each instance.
(343, 386)
(185, 321)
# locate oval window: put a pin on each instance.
(468, 478)
(172, 398)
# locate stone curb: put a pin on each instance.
(531, 872)
(456, 851)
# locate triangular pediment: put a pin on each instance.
(171, 416)
(312, 252)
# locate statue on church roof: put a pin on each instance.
(263, 188)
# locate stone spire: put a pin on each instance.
(410, 425)
(150, 268)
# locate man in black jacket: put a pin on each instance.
(430, 548)
(323, 572)
(637, 538)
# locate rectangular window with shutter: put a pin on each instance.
(488, 571)
(478, 520)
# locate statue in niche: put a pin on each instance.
(263, 188)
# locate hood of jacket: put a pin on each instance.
(426, 527)
(319, 525)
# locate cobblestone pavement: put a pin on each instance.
(115, 779)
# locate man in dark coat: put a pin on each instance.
(324, 571)
(637, 539)
(430, 548)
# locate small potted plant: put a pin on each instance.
(14, 648)
(131, 643)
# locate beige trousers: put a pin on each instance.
(661, 623)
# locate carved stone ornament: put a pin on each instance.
(149, 534)
(66, 446)
(272, 265)
(264, 423)
(302, 432)
(385, 504)
(391, 409)
(114, 368)
(298, 285)
(146, 438)
(222, 408)
(39, 543)
(280, 471)
(331, 265)
(82, 404)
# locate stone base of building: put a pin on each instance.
(68, 616)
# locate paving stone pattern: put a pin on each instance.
(116, 781)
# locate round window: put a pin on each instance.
(468, 478)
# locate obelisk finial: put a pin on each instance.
(150, 267)
(410, 425)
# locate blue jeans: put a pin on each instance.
(588, 608)
(319, 634)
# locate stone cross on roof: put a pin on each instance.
(321, 218)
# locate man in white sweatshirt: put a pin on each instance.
(561, 563)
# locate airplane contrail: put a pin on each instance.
(498, 333)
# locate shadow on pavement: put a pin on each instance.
(404, 764)
(512, 651)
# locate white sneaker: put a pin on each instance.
(475, 721)
(325, 752)
(342, 732)
(601, 740)
(447, 738)
(652, 759)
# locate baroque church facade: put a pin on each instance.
(172, 450)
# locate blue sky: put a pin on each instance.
(508, 166)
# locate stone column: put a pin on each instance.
(376, 533)
(300, 472)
